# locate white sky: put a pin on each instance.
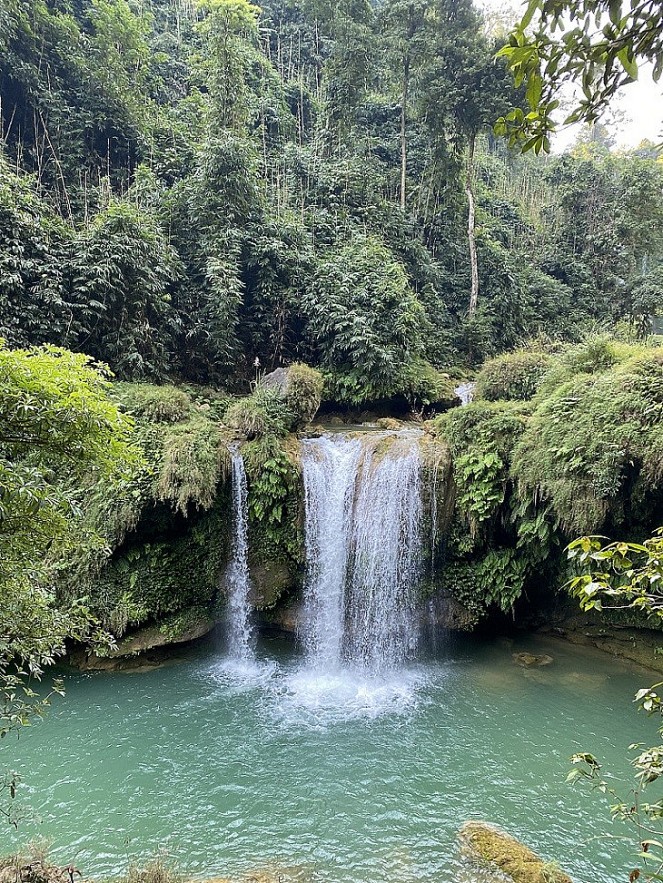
(638, 107)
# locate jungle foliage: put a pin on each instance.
(565, 441)
(186, 188)
(58, 430)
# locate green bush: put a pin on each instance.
(589, 438)
(303, 393)
(262, 413)
(512, 376)
(154, 404)
(424, 385)
(194, 460)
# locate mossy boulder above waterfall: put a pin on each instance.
(300, 387)
(488, 847)
(281, 402)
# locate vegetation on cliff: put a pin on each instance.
(580, 451)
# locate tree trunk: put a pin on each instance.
(406, 83)
(474, 265)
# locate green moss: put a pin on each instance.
(149, 579)
(303, 394)
(273, 470)
(513, 376)
(481, 437)
(513, 858)
(589, 439)
(194, 459)
(261, 414)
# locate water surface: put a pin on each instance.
(232, 767)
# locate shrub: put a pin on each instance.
(512, 376)
(262, 413)
(587, 439)
(155, 404)
(422, 384)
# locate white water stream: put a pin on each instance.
(238, 580)
(363, 544)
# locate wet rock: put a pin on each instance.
(530, 660)
(504, 858)
(130, 652)
(270, 581)
(389, 423)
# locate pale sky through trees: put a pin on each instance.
(637, 112)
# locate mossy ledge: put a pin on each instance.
(488, 846)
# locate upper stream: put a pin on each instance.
(339, 778)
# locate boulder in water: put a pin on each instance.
(491, 849)
(530, 660)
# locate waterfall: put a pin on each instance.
(363, 543)
(465, 392)
(238, 581)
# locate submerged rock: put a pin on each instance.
(488, 847)
(529, 660)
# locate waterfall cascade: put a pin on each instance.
(364, 508)
(238, 580)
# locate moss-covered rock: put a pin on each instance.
(169, 563)
(487, 846)
(281, 402)
(271, 580)
(180, 628)
(531, 660)
(300, 388)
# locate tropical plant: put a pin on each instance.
(57, 426)
(619, 576)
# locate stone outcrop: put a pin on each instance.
(504, 858)
(135, 650)
(530, 660)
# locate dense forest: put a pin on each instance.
(190, 191)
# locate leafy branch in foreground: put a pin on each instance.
(57, 430)
(621, 576)
(596, 44)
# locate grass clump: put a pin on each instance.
(512, 376)
(158, 870)
(34, 866)
(281, 402)
(155, 404)
(261, 414)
